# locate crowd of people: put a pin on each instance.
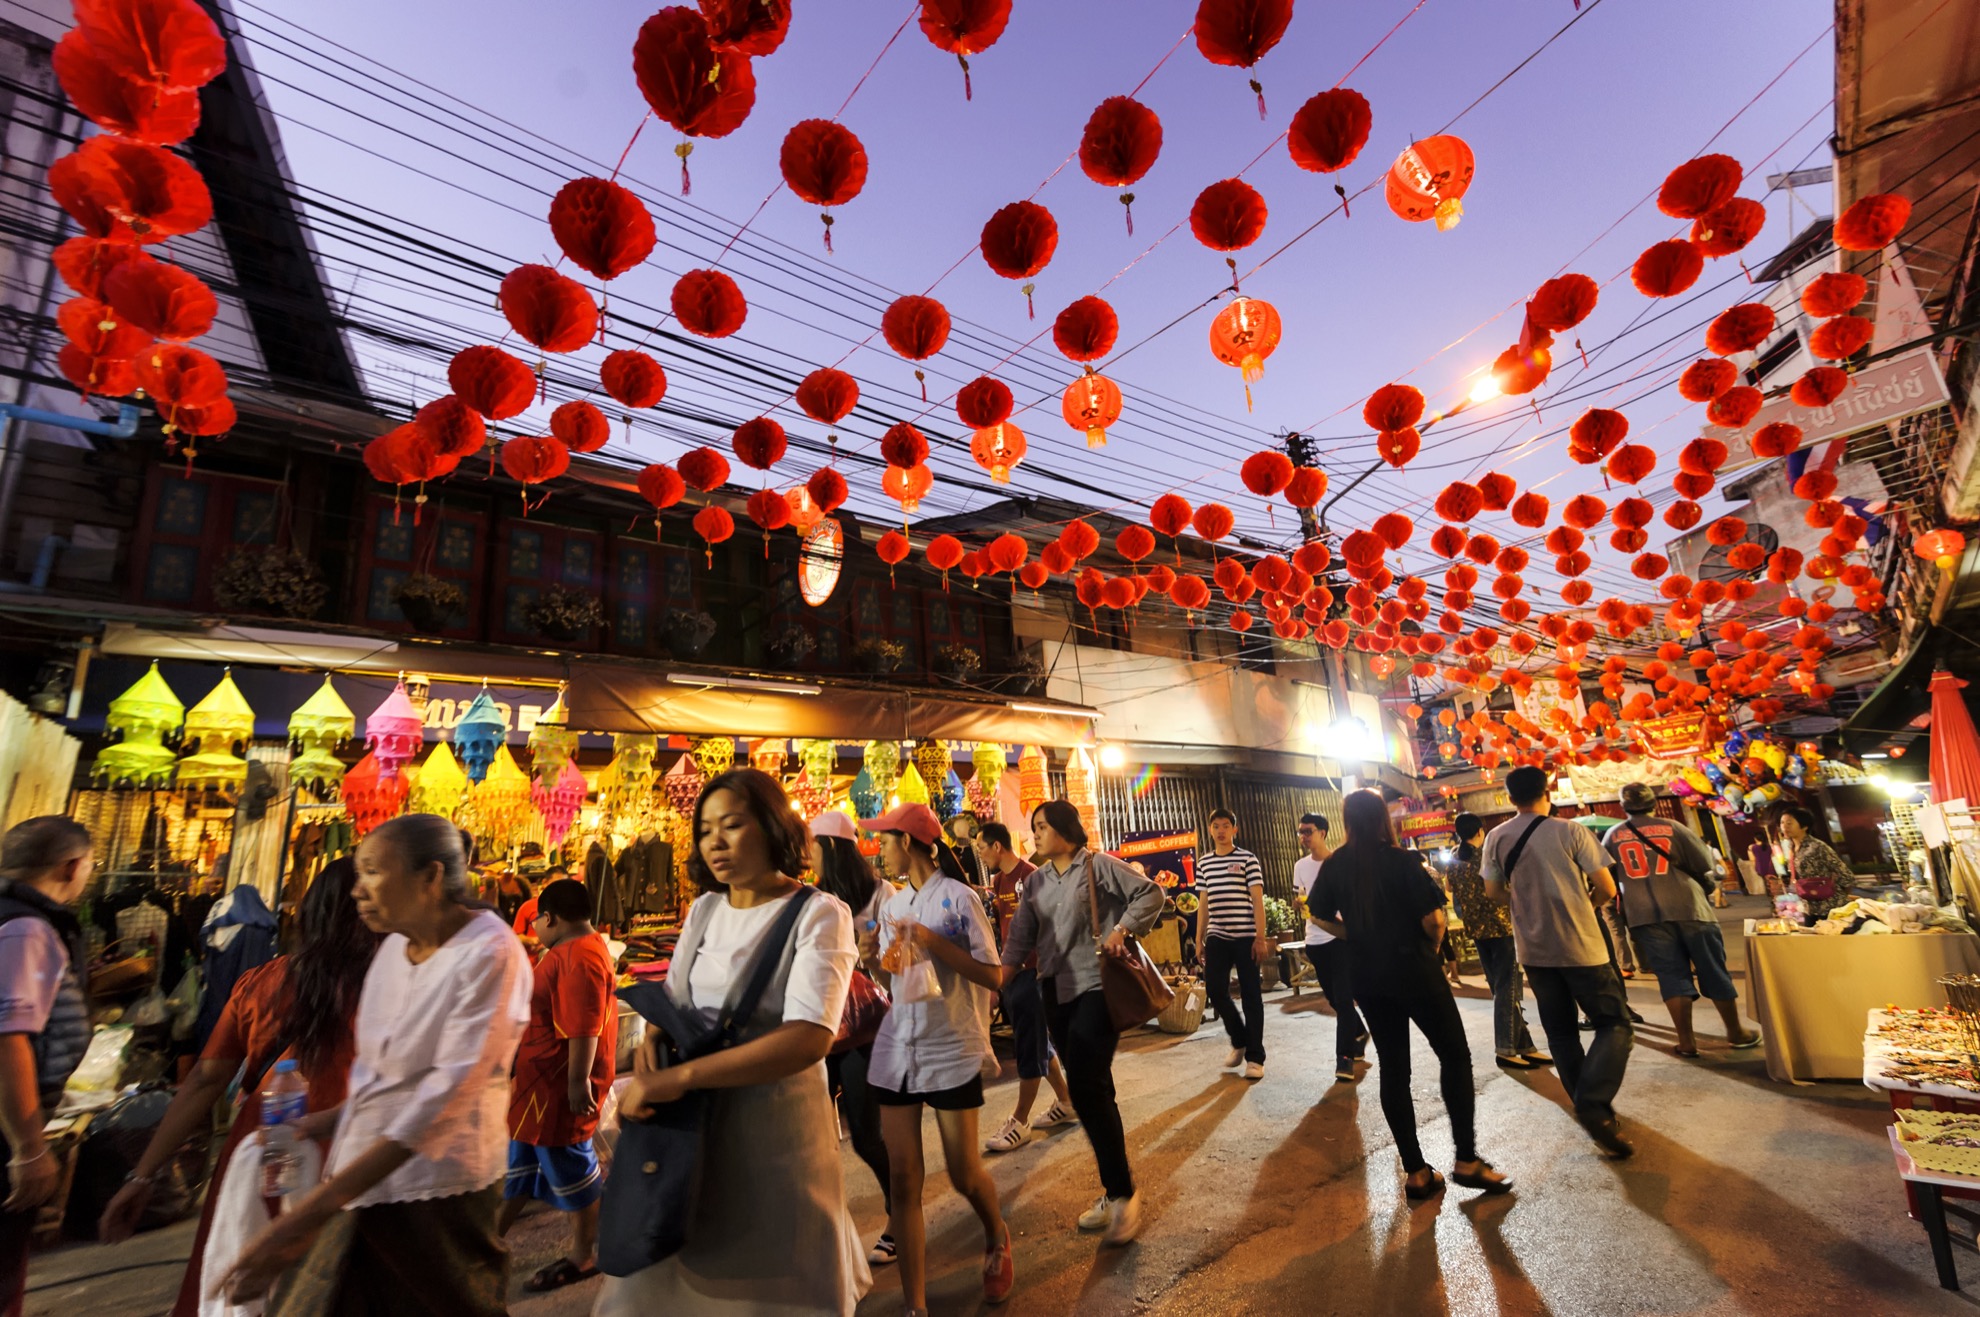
(455, 1071)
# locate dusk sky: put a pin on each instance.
(1568, 151)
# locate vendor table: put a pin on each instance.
(1811, 992)
(1929, 1188)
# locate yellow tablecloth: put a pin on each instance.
(1811, 994)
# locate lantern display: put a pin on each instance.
(212, 728)
(161, 299)
(1840, 338)
(1243, 335)
(1699, 186)
(1228, 216)
(534, 459)
(769, 755)
(982, 402)
(660, 485)
(601, 226)
(933, 759)
(1739, 328)
(881, 762)
(1119, 146)
(1942, 547)
(713, 525)
(1819, 386)
(827, 489)
(682, 785)
(129, 191)
(1034, 782)
(551, 740)
(964, 28)
(182, 382)
(1092, 403)
(1086, 330)
(713, 755)
(125, 105)
(493, 382)
(824, 164)
(759, 443)
(481, 731)
(1238, 33)
(143, 716)
(867, 801)
(440, 784)
(1082, 782)
(827, 395)
(1705, 380)
(1728, 227)
(998, 449)
(1562, 303)
(1429, 179)
(372, 795)
(625, 790)
(498, 805)
(708, 304)
(892, 548)
(558, 801)
(910, 787)
(454, 427)
(988, 760)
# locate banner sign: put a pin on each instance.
(1676, 737)
(1168, 858)
(1902, 386)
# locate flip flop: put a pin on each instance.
(1692, 1055)
(1754, 1041)
(558, 1274)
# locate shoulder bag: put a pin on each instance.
(1519, 849)
(649, 1195)
(1136, 991)
(866, 1009)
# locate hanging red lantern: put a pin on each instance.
(1267, 472)
(161, 299)
(180, 380)
(1705, 380)
(1447, 541)
(943, 553)
(1228, 216)
(1134, 543)
(1739, 328)
(1394, 529)
(1840, 338)
(1121, 592)
(708, 304)
(1305, 490)
(916, 327)
(580, 426)
(698, 90)
(1393, 407)
(602, 227)
(1189, 593)
(168, 45)
(1667, 268)
(1819, 386)
(907, 485)
(998, 449)
(827, 489)
(827, 395)
(1562, 303)
(1091, 404)
(1564, 538)
(533, 459)
(770, 510)
(1496, 491)
(633, 378)
(1598, 430)
(96, 376)
(550, 310)
(748, 27)
(704, 469)
(824, 164)
(660, 485)
(1734, 408)
(759, 443)
(1872, 223)
(1328, 132)
(1530, 510)
(1213, 521)
(491, 381)
(1120, 143)
(1698, 186)
(1007, 553)
(1833, 294)
(964, 28)
(1429, 180)
(1942, 546)
(1086, 330)
(125, 105)
(1520, 371)
(1682, 515)
(1243, 335)
(1777, 439)
(903, 445)
(1702, 456)
(1170, 515)
(408, 455)
(1018, 241)
(1459, 502)
(1726, 531)
(1728, 227)
(84, 263)
(1240, 620)
(984, 401)
(129, 191)
(1079, 540)
(1398, 447)
(1631, 464)
(1238, 33)
(211, 418)
(1816, 485)
(1583, 511)
(96, 329)
(714, 525)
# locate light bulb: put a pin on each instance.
(1112, 757)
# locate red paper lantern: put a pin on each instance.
(601, 226)
(704, 469)
(1649, 566)
(714, 525)
(1726, 531)
(491, 381)
(660, 485)
(1816, 486)
(1872, 222)
(1840, 338)
(84, 263)
(1429, 180)
(1134, 543)
(1228, 215)
(1189, 593)
(1240, 620)
(1631, 464)
(1777, 439)
(1393, 407)
(93, 375)
(696, 89)
(1091, 404)
(964, 28)
(633, 378)
(1702, 456)
(1086, 330)
(1328, 132)
(180, 380)
(1700, 185)
(96, 329)
(907, 485)
(998, 448)
(1565, 539)
(1682, 515)
(943, 553)
(1598, 430)
(1530, 510)
(1243, 335)
(759, 443)
(1833, 294)
(916, 327)
(770, 510)
(1267, 472)
(1734, 408)
(1213, 521)
(827, 395)
(1581, 512)
(533, 459)
(1398, 447)
(1942, 546)
(1007, 553)
(748, 27)
(1394, 529)
(580, 426)
(129, 191)
(903, 445)
(984, 401)
(407, 455)
(1728, 227)
(1459, 502)
(1705, 380)
(1667, 268)
(1170, 514)
(1121, 592)
(1496, 491)
(1512, 558)
(1562, 303)
(827, 489)
(1739, 328)
(165, 44)
(1018, 241)
(1447, 541)
(1631, 513)
(708, 303)
(1305, 490)
(121, 104)
(823, 163)
(1519, 372)
(1079, 540)
(1819, 386)
(549, 310)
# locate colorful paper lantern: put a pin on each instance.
(144, 716)
(479, 734)
(713, 755)
(1082, 779)
(933, 758)
(883, 763)
(559, 800)
(910, 788)
(318, 770)
(372, 795)
(683, 783)
(867, 799)
(499, 803)
(394, 731)
(439, 784)
(551, 741)
(322, 722)
(1034, 781)
(769, 755)
(952, 794)
(221, 720)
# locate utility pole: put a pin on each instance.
(1304, 452)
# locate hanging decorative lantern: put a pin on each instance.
(1081, 782)
(867, 801)
(551, 741)
(625, 789)
(934, 759)
(1942, 547)
(499, 802)
(819, 758)
(440, 783)
(480, 732)
(998, 449)
(144, 716)
(493, 382)
(1018, 242)
(1092, 403)
(908, 485)
(964, 28)
(769, 755)
(559, 801)
(713, 755)
(318, 770)
(212, 728)
(824, 164)
(950, 795)
(1238, 33)
(1429, 180)
(1119, 145)
(916, 327)
(988, 759)
(372, 795)
(548, 309)
(394, 731)
(697, 89)
(1243, 335)
(1034, 781)
(683, 783)
(881, 763)
(910, 788)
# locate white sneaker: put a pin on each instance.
(1235, 1059)
(1097, 1217)
(1014, 1135)
(1254, 1070)
(1123, 1222)
(1057, 1114)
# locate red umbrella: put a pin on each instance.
(1955, 746)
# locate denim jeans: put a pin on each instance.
(1510, 1036)
(1591, 1077)
(1436, 1014)
(1220, 956)
(1330, 967)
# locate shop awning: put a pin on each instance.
(1899, 698)
(621, 695)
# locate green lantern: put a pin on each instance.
(322, 721)
(883, 763)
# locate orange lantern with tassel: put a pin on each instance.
(998, 449)
(1244, 334)
(1429, 180)
(1092, 403)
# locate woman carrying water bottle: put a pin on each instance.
(405, 1219)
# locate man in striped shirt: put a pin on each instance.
(1230, 933)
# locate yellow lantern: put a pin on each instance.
(213, 727)
(910, 786)
(322, 721)
(145, 715)
(552, 742)
(440, 784)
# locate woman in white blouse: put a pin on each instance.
(768, 1234)
(404, 1220)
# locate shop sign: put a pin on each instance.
(1676, 737)
(820, 561)
(1168, 858)
(1891, 390)
(1426, 824)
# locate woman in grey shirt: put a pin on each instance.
(1056, 920)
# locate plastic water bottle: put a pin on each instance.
(284, 1101)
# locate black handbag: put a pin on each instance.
(649, 1194)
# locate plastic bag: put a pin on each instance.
(913, 974)
(184, 1005)
(148, 1011)
(103, 1064)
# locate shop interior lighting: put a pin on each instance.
(1112, 758)
(1878, 754)
(1054, 710)
(741, 684)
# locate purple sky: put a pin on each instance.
(1564, 149)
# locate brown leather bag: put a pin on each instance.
(1136, 991)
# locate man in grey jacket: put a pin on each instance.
(1666, 873)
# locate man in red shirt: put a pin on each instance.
(564, 1068)
(1024, 1009)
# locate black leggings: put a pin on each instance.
(1435, 1012)
(1084, 1033)
(847, 1073)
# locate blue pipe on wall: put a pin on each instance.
(122, 428)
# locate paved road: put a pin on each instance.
(1284, 1195)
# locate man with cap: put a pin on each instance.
(1667, 873)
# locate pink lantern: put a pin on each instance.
(683, 784)
(372, 795)
(394, 732)
(559, 802)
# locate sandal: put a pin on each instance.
(1418, 1193)
(1752, 1040)
(1481, 1179)
(558, 1274)
(1692, 1055)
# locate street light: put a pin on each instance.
(1112, 757)
(1350, 738)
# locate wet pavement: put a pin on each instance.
(1284, 1195)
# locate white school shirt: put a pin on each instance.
(929, 1046)
(821, 964)
(435, 1042)
(1306, 871)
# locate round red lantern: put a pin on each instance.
(180, 380)
(491, 381)
(660, 485)
(708, 303)
(1228, 216)
(964, 28)
(1429, 179)
(1562, 303)
(984, 401)
(760, 443)
(1091, 404)
(548, 309)
(916, 327)
(1530, 510)
(1683, 514)
(748, 27)
(903, 445)
(1393, 407)
(824, 164)
(125, 105)
(696, 89)
(1705, 380)
(633, 378)
(1872, 223)
(998, 449)
(804, 512)
(1833, 294)
(533, 459)
(1819, 386)
(161, 299)
(1777, 439)
(1018, 241)
(1243, 335)
(827, 489)
(1213, 521)
(1697, 186)
(943, 553)
(1702, 456)
(1328, 132)
(1170, 514)
(94, 327)
(129, 191)
(580, 426)
(827, 395)
(1267, 472)
(1119, 146)
(84, 263)
(907, 485)
(1739, 328)
(1007, 553)
(1459, 502)
(704, 469)
(1734, 408)
(1134, 543)
(1728, 227)
(1398, 447)
(1840, 338)
(1079, 539)
(1238, 33)
(601, 226)
(1667, 268)
(769, 510)
(1942, 546)
(1520, 371)
(714, 525)
(1086, 330)
(1631, 464)
(1598, 431)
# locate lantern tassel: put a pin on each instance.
(687, 183)
(395, 503)
(1247, 396)
(1584, 353)
(1127, 204)
(964, 61)
(1231, 261)
(1342, 193)
(1030, 311)
(924, 385)
(828, 232)
(1261, 99)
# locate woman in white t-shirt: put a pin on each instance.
(935, 947)
(768, 1233)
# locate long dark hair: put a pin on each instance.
(326, 970)
(941, 855)
(789, 840)
(844, 872)
(1366, 817)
